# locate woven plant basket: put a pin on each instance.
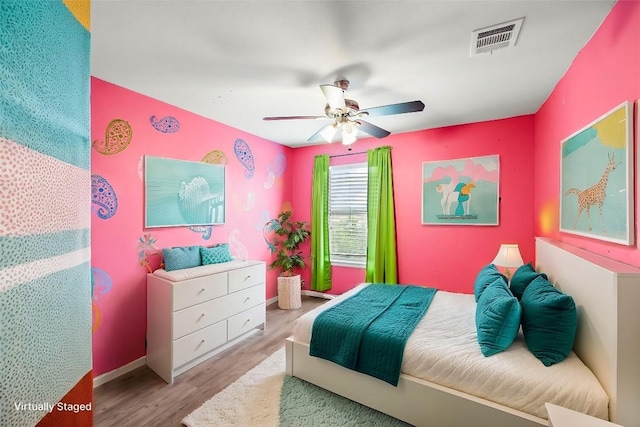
(289, 292)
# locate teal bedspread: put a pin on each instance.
(368, 331)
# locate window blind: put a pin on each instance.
(348, 214)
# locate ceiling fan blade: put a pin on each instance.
(294, 118)
(335, 96)
(326, 133)
(372, 130)
(387, 110)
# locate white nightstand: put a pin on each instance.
(563, 417)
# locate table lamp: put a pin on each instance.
(508, 257)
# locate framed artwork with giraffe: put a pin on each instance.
(596, 179)
(461, 191)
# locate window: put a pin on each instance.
(348, 214)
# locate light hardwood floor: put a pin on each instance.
(141, 398)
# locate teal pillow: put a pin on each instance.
(521, 279)
(497, 318)
(181, 257)
(549, 321)
(487, 275)
(216, 254)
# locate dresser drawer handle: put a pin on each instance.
(200, 343)
(201, 291)
(247, 299)
(247, 278)
(201, 316)
(247, 321)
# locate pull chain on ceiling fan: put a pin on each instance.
(347, 116)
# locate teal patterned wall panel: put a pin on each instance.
(45, 206)
(45, 330)
(44, 79)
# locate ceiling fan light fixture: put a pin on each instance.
(349, 133)
(329, 132)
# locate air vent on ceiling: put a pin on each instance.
(495, 37)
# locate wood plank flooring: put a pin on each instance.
(141, 398)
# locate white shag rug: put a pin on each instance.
(266, 397)
(253, 400)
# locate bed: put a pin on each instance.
(604, 291)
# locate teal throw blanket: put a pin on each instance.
(368, 331)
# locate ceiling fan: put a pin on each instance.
(347, 116)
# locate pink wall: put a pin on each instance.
(604, 74)
(446, 257)
(120, 280)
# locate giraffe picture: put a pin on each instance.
(596, 179)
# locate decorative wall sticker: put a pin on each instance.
(249, 202)
(279, 165)
(275, 170)
(100, 282)
(100, 285)
(286, 206)
(237, 248)
(268, 233)
(271, 179)
(103, 197)
(204, 229)
(245, 156)
(264, 217)
(146, 249)
(216, 157)
(141, 168)
(167, 124)
(244, 204)
(97, 317)
(117, 137)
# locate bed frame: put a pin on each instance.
(606, 293)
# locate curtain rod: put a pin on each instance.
(347, 154)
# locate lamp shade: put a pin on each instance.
(329, 132)
(349, 133)
(508, 256)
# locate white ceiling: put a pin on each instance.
(238, 61)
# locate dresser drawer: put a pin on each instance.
(246, 298)
(199, 316)
(200, 289)
(198, 343)
(245, 321)
(246, 277)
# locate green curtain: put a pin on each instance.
(382, 258)
(320, 255)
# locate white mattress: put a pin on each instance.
(199, 271)
(444, 349)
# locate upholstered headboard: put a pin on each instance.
(607, 294)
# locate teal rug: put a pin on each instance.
(266, 397)
(303, 404)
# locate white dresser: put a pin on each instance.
(191, 320)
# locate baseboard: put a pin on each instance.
(272, 300)
(317, 294)
(112, 375)
(118, 372)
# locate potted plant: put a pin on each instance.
(289, 259)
